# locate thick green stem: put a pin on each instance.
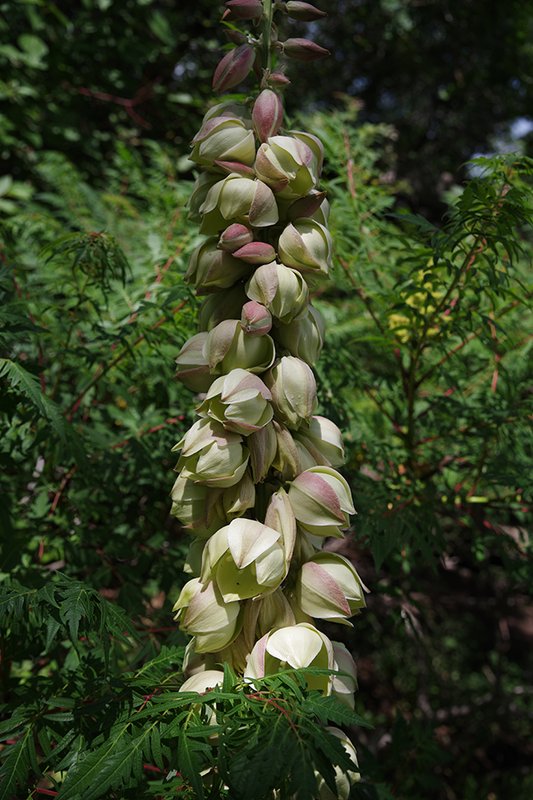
(267, 33)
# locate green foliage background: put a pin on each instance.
(425, 369)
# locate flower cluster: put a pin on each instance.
(258, 487)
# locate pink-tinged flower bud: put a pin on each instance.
(229, 347)
(280, 516)
(202, 613)
(197, 507)
(256, 320)
(303, 50)
(323, 440)
(343, 780)
(239, 401)
(212, 455)
(306, 206)
(210, 268)
(321, 501)
(235, 36)
(193, 368)
(328, 587)
(305, 12)
(306, 246)
(296, 646)
(303, 337)
(345, 685)
(226, 304)
(236, 199)
(244, 559)
(256, 253)
(274, 612)
(234, 237)
(223, 139)
(267, 114)
(293, 388)
(262, 446)
(235, 168)
(280, 289)
(238, 499)
(234, 67)
(278, 79)
(287, 165)
(243, 9)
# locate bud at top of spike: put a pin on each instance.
(303, 11)
(244, 9)
(233, 67)
(267, 114)
(304, 49)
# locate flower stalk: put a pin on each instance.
(258, 488)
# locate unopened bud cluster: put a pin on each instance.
(258, 486)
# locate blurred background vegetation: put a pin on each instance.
(425, 368)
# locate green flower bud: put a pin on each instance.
(296, 646)
(280, 289)
(287, 165)
(201, 188)
(197, 507)
(238, 199)
(202, 613)
(223, 305)
(306, 246)
(323, 440)
(229, 347)
(274, 612)
(226, 139)
(212, 455)
(210, 268)
(280, 516)
(314, 144)
(293, 389)
(291, 457)
(262, 445)
(303, 337)
(239, 401)
(193, 369)
(321, 501)
(238, 499)
(328, 587)
(244, 560)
